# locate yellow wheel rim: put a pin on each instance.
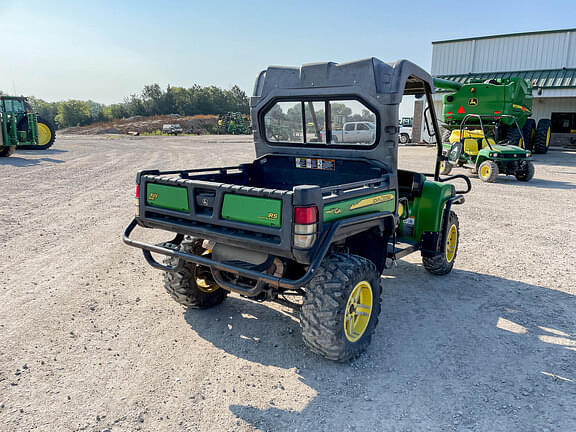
(203, 285)
(358, 311)
(451, 243)
(44, 134)
(485, 171)
(548, 137)
(442, 165)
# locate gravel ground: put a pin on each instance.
(90, 341)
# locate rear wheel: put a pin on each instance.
(525, 171)
(404, 138)
(7, 151)
(488, 171)
(542, 136)
(443, 261)
(445, 168)
(46, 136)
(341, 307)
(192, 286)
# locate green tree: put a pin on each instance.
(73, 113)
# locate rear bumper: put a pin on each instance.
(335, 231)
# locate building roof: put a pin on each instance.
(548, 79)
(505, 35)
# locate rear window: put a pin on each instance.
(320, 122)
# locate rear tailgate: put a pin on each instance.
(238, 215)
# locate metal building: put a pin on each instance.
(545, 58)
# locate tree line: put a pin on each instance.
(153, 100)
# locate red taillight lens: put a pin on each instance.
(137, 191)
(305, 215)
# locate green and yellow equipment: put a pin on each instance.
(232, 123)
(22, 128)
(502, 103)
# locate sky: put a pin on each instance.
(106, 50)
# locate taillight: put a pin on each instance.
(305, 226)
(137, 200)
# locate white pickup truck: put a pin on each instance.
(355, 132)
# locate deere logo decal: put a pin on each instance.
(473, 101)
(152, 196)
(335, 210)
(372, 201)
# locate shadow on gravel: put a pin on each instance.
(462, 352)
(537, 183)
(21, 162)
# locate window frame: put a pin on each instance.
(328, 116)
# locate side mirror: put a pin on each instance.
(455, 152)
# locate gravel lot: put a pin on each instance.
(90, 341)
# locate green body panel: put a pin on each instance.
(427, 208)
(254, 210)
(167, 197)
(12, 112)
(383, 201)
(511, 96)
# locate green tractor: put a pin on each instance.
(483, 154)
(232, 123)
(21, 128)
(508, 101)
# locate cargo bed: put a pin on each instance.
(252, 205)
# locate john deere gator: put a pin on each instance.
(22, 128)
(312, 222)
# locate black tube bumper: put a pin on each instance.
(338, 229)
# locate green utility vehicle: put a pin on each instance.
(22, 128)
(507, 101)
(482, 154)
(312, 222)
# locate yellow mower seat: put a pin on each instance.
(474, 141)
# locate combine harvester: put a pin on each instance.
(21, 128)
(501, 103)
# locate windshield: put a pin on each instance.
(328, 122)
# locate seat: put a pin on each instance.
(410, 184)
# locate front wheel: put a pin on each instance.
(192, 286)
(488, 171)
(341, 307)
(542, 136)
(404, 138)
(525, 171)
(442, 262)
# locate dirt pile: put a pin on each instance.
(198, 124)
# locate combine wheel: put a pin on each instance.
(542, 137)
(514, 137)
(192, 286)
(7, 151)
(488, 171)
(443, 261)
(529, 130)
(525, 171)
(341, 307)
